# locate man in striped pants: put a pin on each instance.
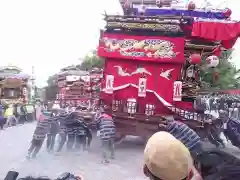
(39, 135)
(107, 131)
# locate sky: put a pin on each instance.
(49, 34)
(52, 34)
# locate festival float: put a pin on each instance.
(153, 57)
(13, 85)
(79, 88)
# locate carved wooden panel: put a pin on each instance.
(12, 83)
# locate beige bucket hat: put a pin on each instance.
(166, 157)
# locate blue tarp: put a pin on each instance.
(177, 12)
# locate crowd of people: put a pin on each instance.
(12, 114)
(175, 152)
(73, 131)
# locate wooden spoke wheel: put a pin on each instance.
(119, 138)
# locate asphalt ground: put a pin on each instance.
(127, 165)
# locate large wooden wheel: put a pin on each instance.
(119, 138)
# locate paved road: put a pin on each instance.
(15, 141)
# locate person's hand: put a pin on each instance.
(78, 178)
(209, 121)
(196, 175)
(162, 125)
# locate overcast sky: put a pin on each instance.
(51, 34)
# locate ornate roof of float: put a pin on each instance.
(12, 71)
(72, 67)
(72, 70)
(10, 67)
(207, 30)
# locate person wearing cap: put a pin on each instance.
(185, 134)
(166, 158)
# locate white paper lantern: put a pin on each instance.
(149, 110)
(142, 9)
(163, 3)
(131, 106)
(212, 61)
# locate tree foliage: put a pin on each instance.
(51, 89)
(91, 61)
(228, 74)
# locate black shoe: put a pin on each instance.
(105, 161)
(112, 157)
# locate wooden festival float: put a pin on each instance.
(153, 57)
(13, 85)
(79, 88)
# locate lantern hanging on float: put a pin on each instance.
(191, 6)
(227, 13)
(165, 3)
(158, 3)
(215, 76)
(126, 5)
(142, 9)
(212, 61)
(195, 59)
(131, 106)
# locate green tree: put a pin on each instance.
(91, 61)
(51, 89)
(228, 74)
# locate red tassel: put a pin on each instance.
(215, 76)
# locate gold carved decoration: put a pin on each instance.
(151, 48)
(12, 83)
(151, 26)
